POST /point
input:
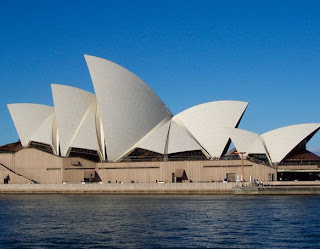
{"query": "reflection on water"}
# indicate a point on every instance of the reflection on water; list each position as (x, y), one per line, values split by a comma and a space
(100, 221)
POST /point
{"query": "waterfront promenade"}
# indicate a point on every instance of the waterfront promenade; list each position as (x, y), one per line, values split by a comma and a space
(271, 188)
(122, 188)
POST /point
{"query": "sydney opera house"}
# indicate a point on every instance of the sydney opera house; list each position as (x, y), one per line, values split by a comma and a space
(125, 133)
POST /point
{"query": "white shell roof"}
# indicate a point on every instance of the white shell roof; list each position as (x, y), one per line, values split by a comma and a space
(100, 134)
(280, 142)
(207, 123)
(157, 140)
(247, 141)
(76, 120)
(55, 137)
(126, 114)
(179, 140)
(129, 108)
(33, 122)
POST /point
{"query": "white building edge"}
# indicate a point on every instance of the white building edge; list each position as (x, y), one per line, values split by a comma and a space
(125, 114)
(280, 142)
(275, 144)
(34, 123)
(76, 118)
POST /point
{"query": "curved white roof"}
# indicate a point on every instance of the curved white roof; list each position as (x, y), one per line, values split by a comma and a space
(100, 134)
(126, 114)
(76, 118)
(55, 137)
(156, 140)
(33, 122)
(280, 142)
(180, 141)
(247, 141)
(129, 108)
(207, 123)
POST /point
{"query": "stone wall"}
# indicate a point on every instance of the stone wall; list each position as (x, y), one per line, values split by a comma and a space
(46, 168)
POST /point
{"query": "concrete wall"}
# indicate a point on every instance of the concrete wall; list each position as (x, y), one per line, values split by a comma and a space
(14, 178)
(50, 169)
(74, 170)
(7, 159)
(126, 188)
(37, 165)
(195, 170)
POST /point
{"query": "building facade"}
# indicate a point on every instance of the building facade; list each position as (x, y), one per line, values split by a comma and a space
(125, 133)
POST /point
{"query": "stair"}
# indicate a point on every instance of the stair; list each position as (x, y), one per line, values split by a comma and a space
(18, 173)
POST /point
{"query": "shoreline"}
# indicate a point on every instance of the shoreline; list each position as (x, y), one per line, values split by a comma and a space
(118, 188)
(229, 188)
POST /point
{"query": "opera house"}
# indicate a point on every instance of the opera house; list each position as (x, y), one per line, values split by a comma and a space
(125, 133)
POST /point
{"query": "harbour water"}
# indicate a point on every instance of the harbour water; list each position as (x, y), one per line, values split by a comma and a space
(126, 221)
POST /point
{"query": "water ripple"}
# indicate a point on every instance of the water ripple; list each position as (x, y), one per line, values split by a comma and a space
(102, 221)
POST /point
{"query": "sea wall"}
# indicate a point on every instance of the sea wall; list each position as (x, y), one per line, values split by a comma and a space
(278, 190)
(297, 188)
(121, 188)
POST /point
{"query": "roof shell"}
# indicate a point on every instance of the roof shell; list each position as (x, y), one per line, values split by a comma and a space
(207, 122)
(157, 140)
(129, 108)
(33, 122)
(247, 141)
(179, 140)
(75, 114)
(280, 142)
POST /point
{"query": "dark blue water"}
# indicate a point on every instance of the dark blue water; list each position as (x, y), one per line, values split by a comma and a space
(102, 221)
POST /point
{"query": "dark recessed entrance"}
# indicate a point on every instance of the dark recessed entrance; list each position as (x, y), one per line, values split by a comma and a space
(180, 175)
(91, 176)
(6, 179)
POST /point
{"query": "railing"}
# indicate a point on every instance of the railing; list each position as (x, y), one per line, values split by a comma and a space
(299, 163)
(142, 159)
(187, 158)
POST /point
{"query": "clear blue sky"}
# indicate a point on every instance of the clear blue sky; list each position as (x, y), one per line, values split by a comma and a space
(189, 52)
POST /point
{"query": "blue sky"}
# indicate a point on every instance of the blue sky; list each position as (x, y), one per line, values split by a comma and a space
(189, 52)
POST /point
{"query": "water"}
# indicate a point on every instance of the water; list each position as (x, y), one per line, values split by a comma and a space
(104, 221)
